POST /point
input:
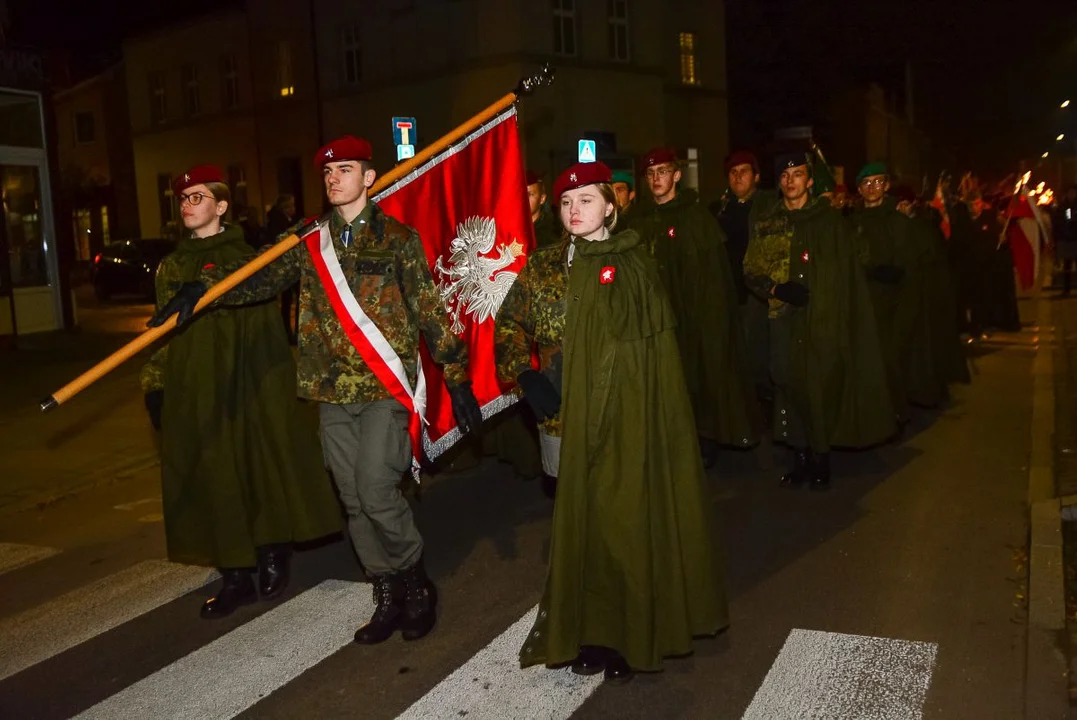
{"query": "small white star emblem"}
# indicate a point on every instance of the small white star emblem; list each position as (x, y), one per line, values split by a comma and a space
(607, 275)
(187, 177)
(572, 177)
(329, 153)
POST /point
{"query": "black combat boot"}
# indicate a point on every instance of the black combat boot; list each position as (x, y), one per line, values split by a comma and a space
(549, 486)
(819, 470)
(617, 670)
(388, 611)
(798, 474)
(420, 603)
(237, 589)
(590, 661)
(274, 562)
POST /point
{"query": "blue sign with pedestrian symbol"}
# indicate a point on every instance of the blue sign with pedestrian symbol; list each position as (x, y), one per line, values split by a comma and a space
(587, 151)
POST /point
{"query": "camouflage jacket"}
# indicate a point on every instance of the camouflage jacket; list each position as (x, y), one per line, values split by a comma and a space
(388, 273)
(766, 261)
(533, 312)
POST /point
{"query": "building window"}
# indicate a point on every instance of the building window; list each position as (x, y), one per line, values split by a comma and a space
(165, 198)
(81, 221)
(564, 27)
(84, 128)
(618, 28)
(229, 82)
(285, 78)
(688, 58)
(158, 109)
(192, 101)
(353, 56)
(106, 238)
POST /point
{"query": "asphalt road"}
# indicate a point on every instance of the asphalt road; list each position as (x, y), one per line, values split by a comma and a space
(897, 594)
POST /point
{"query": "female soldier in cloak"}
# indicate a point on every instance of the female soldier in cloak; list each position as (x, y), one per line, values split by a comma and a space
(632, 575)
(241, 474)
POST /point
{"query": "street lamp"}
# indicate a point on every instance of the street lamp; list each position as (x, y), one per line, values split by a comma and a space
(1065, 104)
(1061, 137)
(1045, 155)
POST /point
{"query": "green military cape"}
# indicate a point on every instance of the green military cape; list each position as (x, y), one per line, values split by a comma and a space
(885, 236)
(240, 461)
(631, 559)
(836, 367)
(694, 269)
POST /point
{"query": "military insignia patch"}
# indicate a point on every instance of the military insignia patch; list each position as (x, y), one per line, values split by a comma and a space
(804, 256)
(672, 232)
(607, 275)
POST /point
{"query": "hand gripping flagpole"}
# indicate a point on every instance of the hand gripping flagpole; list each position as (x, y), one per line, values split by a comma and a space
(525, 87)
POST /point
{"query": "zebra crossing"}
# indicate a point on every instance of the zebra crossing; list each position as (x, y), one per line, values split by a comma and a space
(815, 675)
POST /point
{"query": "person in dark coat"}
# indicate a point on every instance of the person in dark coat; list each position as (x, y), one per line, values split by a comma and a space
(278, 220)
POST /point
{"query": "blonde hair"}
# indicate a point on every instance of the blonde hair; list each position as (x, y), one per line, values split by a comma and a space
(605, 189)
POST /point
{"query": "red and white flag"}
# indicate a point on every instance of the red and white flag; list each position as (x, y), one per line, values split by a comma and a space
(469, 206)
(1023, 230)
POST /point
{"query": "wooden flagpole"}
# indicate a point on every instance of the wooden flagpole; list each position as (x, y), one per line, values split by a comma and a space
(98, 371)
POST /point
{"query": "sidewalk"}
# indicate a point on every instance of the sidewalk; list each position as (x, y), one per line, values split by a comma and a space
(100, 436)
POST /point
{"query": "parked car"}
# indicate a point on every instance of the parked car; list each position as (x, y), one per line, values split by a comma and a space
(127, 267)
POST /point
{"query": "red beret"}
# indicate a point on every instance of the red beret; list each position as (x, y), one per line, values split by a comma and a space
(533, 178)
(742, 157)
(198, 175)
(659, 156)
(345, 147)
(579, 175)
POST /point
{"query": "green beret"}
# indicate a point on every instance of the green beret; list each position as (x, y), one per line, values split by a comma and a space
(625, 177)
(872, 168)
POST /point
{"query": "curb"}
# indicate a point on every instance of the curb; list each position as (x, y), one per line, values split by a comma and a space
(1046, 669)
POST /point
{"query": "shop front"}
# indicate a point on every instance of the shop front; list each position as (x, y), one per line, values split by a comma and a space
(30, 288)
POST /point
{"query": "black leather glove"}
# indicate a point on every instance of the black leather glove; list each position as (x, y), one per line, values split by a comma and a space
(540, 394)
(792, 293)
(182, 302)
(465, 408)
(886, 274)
(155, 403)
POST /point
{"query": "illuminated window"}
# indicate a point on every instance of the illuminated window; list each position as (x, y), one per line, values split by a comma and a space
(229, 82)
(82, 234)
(564, 27)
(353, 56)
(106, 238)
(285, 78)
(688, 58)
(158, 108)
(165, 198)
(192, 100)
(618, 29)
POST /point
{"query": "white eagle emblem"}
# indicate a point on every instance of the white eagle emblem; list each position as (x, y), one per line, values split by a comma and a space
(470, 282)
(329, 153)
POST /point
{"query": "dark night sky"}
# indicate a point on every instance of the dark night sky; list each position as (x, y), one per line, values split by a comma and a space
(988, 74)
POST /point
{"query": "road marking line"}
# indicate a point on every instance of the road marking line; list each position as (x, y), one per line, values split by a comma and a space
(59, 625)
(492, 685)
(14, 556)
(136, 503)
(229, 675)
(831, 675)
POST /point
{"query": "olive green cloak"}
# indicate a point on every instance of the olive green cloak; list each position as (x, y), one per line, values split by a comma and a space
(240, 461)
(689, 248)
(887, 237)
(631, 560)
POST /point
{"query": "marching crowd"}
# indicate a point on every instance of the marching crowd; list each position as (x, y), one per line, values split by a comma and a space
(663, 329)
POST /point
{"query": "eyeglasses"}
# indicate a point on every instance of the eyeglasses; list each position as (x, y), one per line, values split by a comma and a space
(877, 182)
(660, 172)
(194, 198)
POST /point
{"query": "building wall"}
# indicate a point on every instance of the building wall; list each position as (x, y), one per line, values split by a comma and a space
(440, 61)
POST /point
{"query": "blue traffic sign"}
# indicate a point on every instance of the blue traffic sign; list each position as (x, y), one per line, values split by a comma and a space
(403, 152)
(587, 151)
(405, 131)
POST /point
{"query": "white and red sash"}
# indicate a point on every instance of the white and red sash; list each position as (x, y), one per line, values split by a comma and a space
(367, 338)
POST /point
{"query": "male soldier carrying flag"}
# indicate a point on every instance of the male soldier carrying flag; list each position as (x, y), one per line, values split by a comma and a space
(366, 292)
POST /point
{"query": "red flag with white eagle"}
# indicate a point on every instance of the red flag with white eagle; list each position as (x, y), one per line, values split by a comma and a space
(1023, 230)
(469, 206)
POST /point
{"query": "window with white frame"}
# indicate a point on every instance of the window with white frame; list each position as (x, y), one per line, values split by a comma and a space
(192, 100)
(564, 27)
(618, 29)
(352, 53)
(229, 82)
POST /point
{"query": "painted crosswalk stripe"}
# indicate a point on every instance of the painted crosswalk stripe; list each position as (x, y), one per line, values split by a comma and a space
(491, 685)
(14, 556)
(830, 675)
(58, 625)
(224, 678)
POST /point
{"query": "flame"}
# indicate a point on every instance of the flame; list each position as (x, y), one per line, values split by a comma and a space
(1046, 198)
(1022, 182)
(1039, 188)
